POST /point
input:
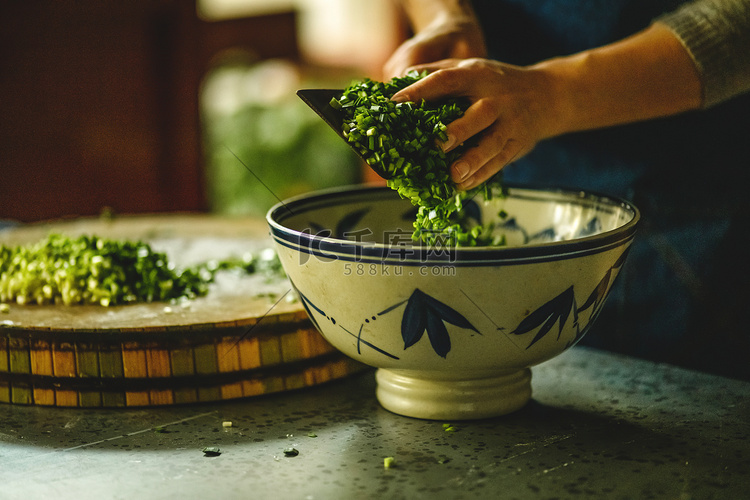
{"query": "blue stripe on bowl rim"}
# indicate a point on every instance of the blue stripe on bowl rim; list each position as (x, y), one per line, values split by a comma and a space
(375, 253)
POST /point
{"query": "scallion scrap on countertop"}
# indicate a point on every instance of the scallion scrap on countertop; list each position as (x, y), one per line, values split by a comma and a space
(401, 140)
(211, 451)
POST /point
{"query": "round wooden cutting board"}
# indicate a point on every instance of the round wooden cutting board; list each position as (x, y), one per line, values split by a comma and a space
(248, 336)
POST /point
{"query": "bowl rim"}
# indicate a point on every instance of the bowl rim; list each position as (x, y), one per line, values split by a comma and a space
(368, 252)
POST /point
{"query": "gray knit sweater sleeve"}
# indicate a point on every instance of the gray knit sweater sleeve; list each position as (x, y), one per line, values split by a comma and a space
(716, 33)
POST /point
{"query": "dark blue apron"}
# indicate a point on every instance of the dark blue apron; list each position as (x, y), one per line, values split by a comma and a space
(684, 295)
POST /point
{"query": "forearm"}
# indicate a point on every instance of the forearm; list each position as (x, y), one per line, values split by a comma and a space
(695, 57)
(716, 33)
(423, 13)
(443, 29)
(645, 76)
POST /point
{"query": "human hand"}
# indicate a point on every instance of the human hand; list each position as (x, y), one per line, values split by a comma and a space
(453, 38)
(510, 110)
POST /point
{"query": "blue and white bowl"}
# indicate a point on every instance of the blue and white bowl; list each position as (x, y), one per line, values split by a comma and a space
(452, 331)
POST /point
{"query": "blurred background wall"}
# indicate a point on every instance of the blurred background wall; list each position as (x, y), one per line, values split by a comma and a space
(176, 105)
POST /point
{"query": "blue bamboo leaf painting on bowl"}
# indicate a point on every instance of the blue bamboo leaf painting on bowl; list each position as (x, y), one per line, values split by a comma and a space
(427, 314)
(423, 313)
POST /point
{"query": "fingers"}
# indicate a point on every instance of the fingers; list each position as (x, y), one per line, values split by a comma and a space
(487, 151)
(436, 85)
(500, 127)
(485, 168)
(478, 118)
(481, 120)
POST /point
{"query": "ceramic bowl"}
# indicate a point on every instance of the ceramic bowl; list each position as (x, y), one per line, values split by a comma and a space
(452, 331)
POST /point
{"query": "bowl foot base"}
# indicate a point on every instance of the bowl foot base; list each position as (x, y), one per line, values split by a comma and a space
(410, 395)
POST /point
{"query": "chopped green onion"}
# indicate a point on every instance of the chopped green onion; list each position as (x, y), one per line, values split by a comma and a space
(211, 451)
(92, 270)
(401, 140)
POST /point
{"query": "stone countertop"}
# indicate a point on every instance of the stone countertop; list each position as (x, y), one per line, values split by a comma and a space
(599, 426)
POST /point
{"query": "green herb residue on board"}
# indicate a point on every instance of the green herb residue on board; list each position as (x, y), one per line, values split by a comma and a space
(92, 270)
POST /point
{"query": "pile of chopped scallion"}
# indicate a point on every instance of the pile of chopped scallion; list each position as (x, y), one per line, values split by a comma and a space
(401, 140)
(92, 270)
